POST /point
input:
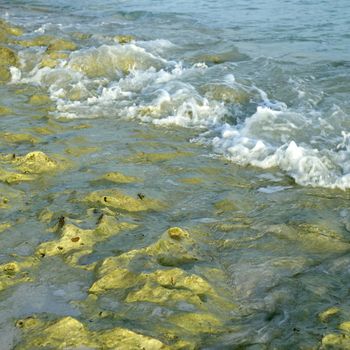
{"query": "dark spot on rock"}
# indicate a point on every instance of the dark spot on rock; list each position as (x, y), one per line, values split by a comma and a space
(141, 195)
(61, 221)
(13, 156)
(105, 199)
(296, 330)
(42, 255)
(75, 239)
(100, 219)
(60, 248)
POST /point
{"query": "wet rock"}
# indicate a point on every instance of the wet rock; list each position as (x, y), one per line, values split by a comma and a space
(39, 100)
(16, 272)
(4, 110)
(198, 323)
(8, 57)
(118, 200)
(13, 177)
(226, 93)
(124, 39)
(7, 29)
(4, 226)
(143, 157)
(61, 45)
(329, 313)
(42, 40)
(119, 178)
(5, 74)
(75, 242)
(19, 138)
(70, 333)
(35, 163)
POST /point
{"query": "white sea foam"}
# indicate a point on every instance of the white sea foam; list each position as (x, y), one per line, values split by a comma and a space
(133, 81)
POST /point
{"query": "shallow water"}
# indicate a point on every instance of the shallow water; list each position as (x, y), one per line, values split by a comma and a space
(229, 121)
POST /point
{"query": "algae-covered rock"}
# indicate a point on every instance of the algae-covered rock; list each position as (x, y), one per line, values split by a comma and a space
(5, 74)
(119, 178)
(39, 100)
(329, 313)
(4, 226)
(226, 93)
(4, 110)
(118, 200)
(198, 322)
(77, 241)
(36, 162)
(70, 333)
(123, 39)
(143, 157)
(16, 272)
(335, 341)
(8, 29)
(19, 138)
(10, 177)
(225, 205)
(8, 57)
(41, 40)
(61, 45)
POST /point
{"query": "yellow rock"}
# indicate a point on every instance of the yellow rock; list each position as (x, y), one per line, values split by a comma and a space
(19, 138)
(8, 57)
(9, 29)
(4, 110)
(198, 322)
(15, 272)
(38, 100)
(4, 226)
(35, 163)
(225, 205)
(61, 45)
(118, 200)
(123, 39)
(228, 94)
(5, 74)
(48, 62)
(70, 333)
(42, 40)
(345, 326)
(78, 242)
(327, 314)
(119, 278)
(119, 178)
(177, 233)
(336, 341)
(79, 151)
(29, 322)
(13, 178)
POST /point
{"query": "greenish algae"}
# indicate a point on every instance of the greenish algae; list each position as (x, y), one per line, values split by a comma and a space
(228, 94)
(39, 100)
(7, 29)
(75, 242)
(15, 272)
(117, 177)
(8, 58)
(123, 39)
(5, 111)
(118, 200)
(36, 162)
(326, 315)
(10, 177)
(19, 138)
(4, 226)
(61, 45)
(143, 157)
(68, 332)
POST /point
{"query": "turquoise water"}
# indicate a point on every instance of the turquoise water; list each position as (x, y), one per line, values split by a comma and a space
(231, 120)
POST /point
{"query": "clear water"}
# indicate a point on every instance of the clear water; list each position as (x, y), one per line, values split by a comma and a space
(251, 98)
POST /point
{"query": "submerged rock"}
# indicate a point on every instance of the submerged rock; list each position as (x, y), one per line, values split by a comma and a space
(19, 138)
(118, 200)
(38, 100)
(119, 178)
(7, 29)
(68, 332)
(8, 57)
(123, 39)
(75, 242)
(61, 45)
(4, 110)
(16, 272)
(143, 157)
(329, 313)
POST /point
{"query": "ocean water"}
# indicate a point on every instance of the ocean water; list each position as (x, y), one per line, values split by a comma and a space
(234, 116)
